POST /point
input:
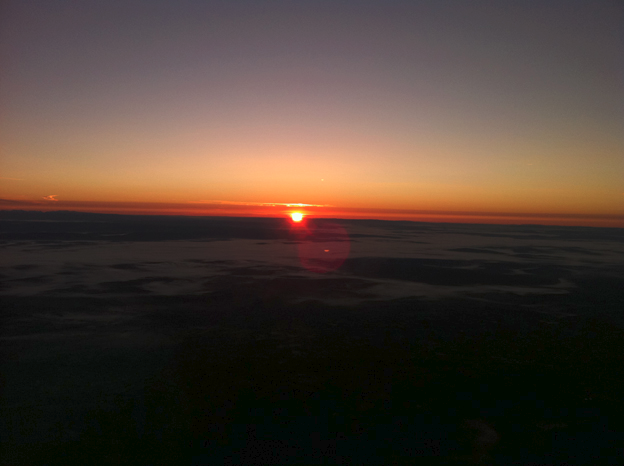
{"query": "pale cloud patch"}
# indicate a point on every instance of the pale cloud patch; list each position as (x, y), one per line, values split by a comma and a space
(51, 197)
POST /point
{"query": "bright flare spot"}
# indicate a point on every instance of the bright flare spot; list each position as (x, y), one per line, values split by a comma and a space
(297, 216)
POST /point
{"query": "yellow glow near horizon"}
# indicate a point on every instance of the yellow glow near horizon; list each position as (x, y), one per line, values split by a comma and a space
(297, 216)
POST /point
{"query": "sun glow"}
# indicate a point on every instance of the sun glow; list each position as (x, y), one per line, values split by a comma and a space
(297, 216)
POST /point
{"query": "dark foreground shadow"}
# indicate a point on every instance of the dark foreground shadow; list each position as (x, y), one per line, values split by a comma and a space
(312, 384)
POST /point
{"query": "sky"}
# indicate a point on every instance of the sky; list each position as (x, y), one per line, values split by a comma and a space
(511, 111)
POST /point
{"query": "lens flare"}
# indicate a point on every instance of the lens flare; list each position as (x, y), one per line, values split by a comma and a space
(324, 247)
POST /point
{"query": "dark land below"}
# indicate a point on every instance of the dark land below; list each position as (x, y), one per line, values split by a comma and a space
(264, 366)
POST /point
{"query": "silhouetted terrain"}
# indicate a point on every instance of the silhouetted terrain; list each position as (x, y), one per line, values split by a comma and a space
(179, 340)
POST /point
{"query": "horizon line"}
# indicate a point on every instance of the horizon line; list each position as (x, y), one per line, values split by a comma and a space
(269, 210)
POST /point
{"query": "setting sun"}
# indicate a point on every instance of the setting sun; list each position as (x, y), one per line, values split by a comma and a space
(297, 216)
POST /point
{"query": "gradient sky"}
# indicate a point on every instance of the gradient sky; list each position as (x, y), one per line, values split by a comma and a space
(374, 107)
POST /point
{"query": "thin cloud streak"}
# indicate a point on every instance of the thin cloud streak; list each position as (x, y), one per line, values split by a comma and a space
(261, 204)
(51, 197)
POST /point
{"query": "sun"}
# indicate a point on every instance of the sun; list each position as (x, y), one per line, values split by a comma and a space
(297, 216)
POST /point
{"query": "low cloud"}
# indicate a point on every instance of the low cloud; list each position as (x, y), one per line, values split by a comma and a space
(51, 197)
(17, 201)
(260, 204)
